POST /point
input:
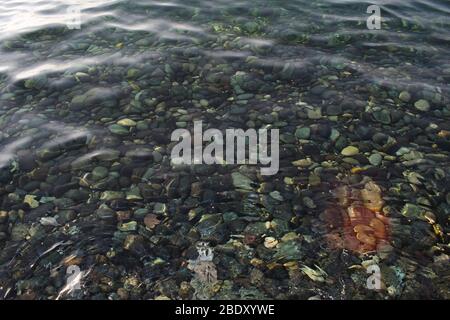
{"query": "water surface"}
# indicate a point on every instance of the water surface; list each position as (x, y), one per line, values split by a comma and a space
(86, 179)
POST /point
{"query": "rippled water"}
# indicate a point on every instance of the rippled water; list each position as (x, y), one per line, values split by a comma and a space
(310, 68)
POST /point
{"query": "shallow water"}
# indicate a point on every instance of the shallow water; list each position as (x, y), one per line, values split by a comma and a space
(86, 117)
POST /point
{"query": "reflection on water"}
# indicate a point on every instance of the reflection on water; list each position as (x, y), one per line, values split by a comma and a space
(85, 122)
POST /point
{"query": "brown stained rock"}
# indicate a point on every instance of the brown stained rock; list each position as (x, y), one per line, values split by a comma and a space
(151, 221)
(356, 223)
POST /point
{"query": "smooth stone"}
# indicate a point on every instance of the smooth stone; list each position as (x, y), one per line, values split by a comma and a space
(382, 116)
(350, 151)
(141, 125)
(126, 122)
(334, 134)
(99, 173)
(112, 195)
(303, 163)
(314, 114)
(303, 133)
(276, 195)
(140, 213)
(422, 105)
(132, 73)
(405, 96)
(118, 129)
(307, 201)
(105, 213)
(375, 159)
(241, 182)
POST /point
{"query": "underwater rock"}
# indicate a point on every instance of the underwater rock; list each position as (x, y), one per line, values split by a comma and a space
(356, 224)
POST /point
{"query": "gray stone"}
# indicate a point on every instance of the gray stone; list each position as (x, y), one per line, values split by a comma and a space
(375, 159)
(405, 96)
(241, 182)
(422, 105)
(314, 114)
(118, 129)
(382, 116)
(303, 133)
(99, 173)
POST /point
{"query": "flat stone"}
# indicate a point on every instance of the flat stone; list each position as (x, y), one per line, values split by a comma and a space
(126, 122)
(276, 195)
(241, 182)
(112, 195)
(118, 129)
(350, 151)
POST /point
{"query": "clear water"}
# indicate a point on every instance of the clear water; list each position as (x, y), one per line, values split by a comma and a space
(79, 192)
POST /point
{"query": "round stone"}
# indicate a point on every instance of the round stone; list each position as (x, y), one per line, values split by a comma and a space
(303, 133)
(405, 96)
(422, 105)
(375, 159)
(350, 151)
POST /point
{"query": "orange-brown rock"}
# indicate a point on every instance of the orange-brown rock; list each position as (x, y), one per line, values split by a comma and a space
(356, 223)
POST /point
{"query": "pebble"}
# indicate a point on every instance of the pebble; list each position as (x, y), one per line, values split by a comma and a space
(99, 173)
(350, 151)
(375, 159)
(411, 210)
(31, 201)
(276, 195)
(303, 133)
(126, 122)
(303, 163)
(314, 114)
(112, 195)
(160, 208)
(270, 242)
(382, 116)
(422, 105)
(118, 129)
(129, 226)
(405, 96)
(241, 182)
